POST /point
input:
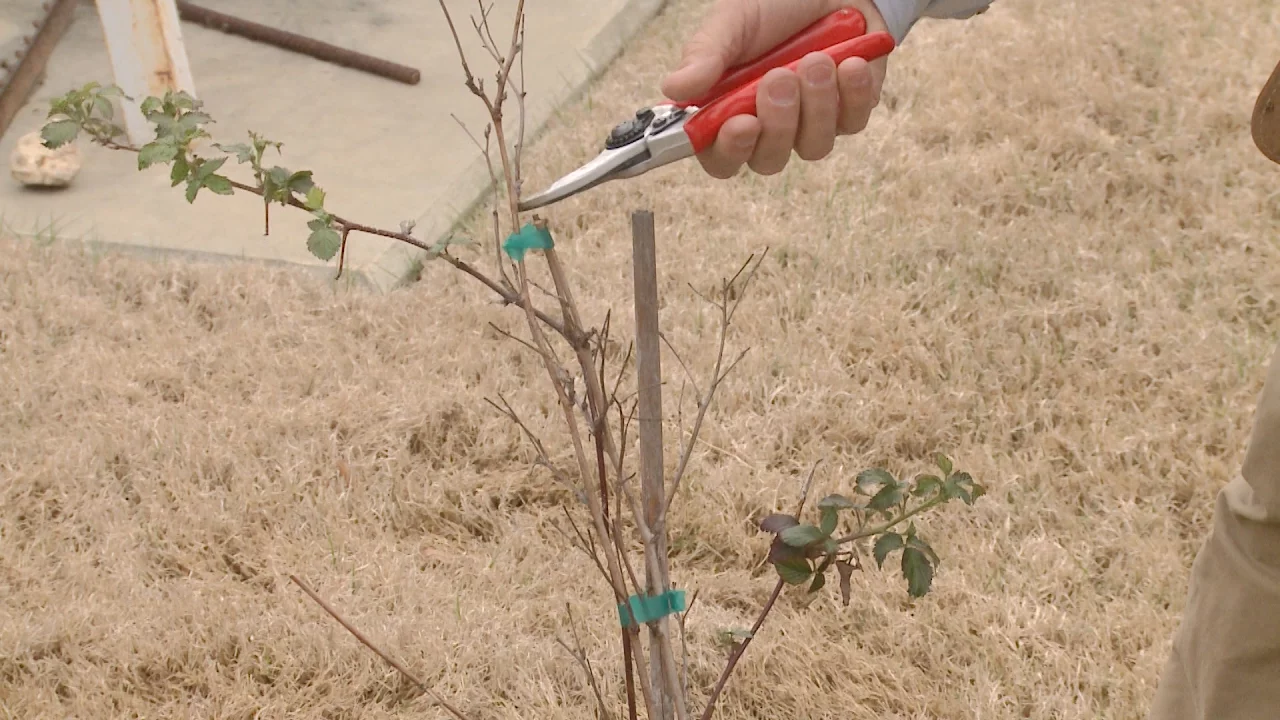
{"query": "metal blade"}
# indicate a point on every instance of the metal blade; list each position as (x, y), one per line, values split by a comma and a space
(603, 168)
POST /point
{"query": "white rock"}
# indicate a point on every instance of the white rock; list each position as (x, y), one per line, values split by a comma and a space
(33, 164)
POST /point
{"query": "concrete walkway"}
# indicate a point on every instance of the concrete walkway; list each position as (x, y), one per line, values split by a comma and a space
(383, 151)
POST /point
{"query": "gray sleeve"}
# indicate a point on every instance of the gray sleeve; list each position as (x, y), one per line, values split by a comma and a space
(901, 15)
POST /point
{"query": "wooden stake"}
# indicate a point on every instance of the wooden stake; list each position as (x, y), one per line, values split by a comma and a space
(649, 419)
(24, 78)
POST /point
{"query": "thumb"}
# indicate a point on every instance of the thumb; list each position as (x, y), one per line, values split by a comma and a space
(714, 47)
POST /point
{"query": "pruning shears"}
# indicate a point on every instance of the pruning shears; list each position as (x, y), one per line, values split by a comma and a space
(666, 133)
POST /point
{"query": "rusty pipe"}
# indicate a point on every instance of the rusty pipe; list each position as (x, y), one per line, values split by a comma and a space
(297, 43)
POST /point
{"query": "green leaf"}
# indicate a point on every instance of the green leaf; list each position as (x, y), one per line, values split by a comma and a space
(830, 516)
(944, 463)
(961, 485)
(315, 198)
(150, 106)
(243, 152)
(301, 182)
(888, 497)
(778, 522)
(917, 570)
(324, 241)
(193, 188)
(180, 170)
(927, 485)
(209, 167)
(839, 502)
(219, 184)
(794, 572)
(869, 480)
(886, 544)
(59, 133)
(103, 107)
(819, 580)
(802, 535)
(160, 151)
(736, 636)
(917, 542)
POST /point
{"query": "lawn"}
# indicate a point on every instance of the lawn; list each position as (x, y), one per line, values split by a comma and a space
(1051, 256)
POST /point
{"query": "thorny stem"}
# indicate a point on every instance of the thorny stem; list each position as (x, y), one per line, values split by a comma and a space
(455, 712)
(509, 297)
(741, 648)
(870, 532)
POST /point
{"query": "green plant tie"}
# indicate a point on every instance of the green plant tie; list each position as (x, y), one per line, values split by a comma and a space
(647, 608)
(530, 237)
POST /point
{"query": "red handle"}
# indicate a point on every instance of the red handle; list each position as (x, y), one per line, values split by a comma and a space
(837, 27)
(704, 126)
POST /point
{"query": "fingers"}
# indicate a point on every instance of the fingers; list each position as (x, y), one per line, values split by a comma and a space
(733, 147)
(859, 91)
(778, 109)
(819, 107)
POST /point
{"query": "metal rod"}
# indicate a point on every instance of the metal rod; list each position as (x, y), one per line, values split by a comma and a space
(298, 43)
(26, 67)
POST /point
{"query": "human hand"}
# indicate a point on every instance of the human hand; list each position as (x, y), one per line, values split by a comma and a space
(802, 111)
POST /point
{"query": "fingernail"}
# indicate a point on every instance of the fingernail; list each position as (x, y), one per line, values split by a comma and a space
(783, 92)
(818, 74)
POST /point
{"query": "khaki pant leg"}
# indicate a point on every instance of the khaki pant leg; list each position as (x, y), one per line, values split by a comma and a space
(1225, 663)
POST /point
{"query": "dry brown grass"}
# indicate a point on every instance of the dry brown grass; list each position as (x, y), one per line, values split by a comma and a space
(1052, 256)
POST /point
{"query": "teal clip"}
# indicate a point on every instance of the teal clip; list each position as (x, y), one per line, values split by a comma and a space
(530, 237)
(647, 608)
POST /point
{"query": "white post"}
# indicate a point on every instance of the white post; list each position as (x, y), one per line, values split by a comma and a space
(148, 57)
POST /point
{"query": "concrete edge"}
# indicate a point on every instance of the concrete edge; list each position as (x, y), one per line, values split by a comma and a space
(89, 241)
(395, 265)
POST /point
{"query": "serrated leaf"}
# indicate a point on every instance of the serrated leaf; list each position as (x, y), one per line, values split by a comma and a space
(160, 151)
(315, 198)
(846, 581)
(794, 572)
(819, 580)
(279, 176)
(837, 501)
(944, 463)
(886, 544)
(103, 107)
(801, 535)
(869, 480)
(324, 241)
(301, 181)
(243, 152)
(219, 184)
(917, 570)
(180, 170)
(888, 497)
(927, 485)
(209, 167)
(59, 133)
(150, 106)
(961, 485)
(830, 516)
(917, 542)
